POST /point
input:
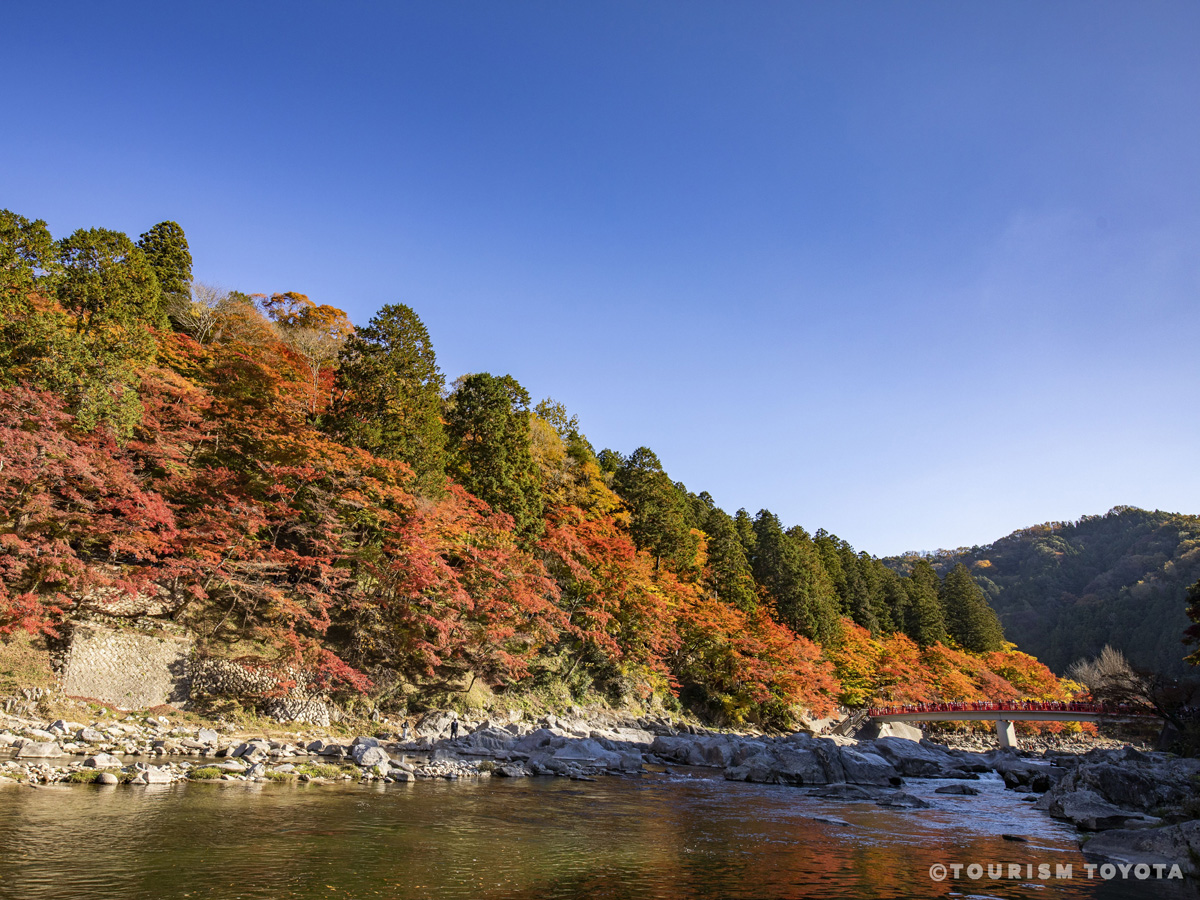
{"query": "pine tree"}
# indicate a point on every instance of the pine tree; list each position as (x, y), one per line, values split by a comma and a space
(858, 599)
(824, 607)
(969, 619)
(923, 619)
(729, 571)
(702, 506)
(28, 335)
(27, 255)
(108, 282)
(166, 249)
(111, 295)
(488, 442)
(660, 518)
(609, 461)
(745, 529)
(787, 565)
(388, 395)
(889, 598)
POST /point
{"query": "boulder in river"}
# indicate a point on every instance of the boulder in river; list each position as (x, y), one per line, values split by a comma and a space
(39, 750)
(901, 800)
(253, 751)
(864, 767)
(1169, 846)
(588, 753)
(898, 730)
(370, 756)
(745, 749)
(963, 789)
(913, 760)
(491, 739)
(809, 761)
(805, 767)
(103, 761)
(1142, 787)
(1089, 811)
(847, 792)
(1108, 790)
(435, 724)
(535, 740)
(153, 775)
(683, 749)
(1020, 774)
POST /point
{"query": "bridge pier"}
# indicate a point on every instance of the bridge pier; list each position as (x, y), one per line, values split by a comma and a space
(1006, 734)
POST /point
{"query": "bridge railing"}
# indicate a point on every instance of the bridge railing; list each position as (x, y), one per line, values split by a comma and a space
(1073, 706)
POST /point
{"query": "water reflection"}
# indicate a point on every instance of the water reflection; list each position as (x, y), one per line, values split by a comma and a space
(653, 837)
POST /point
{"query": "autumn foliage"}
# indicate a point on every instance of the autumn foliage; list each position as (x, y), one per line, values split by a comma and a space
(224, 492)
(893, 669)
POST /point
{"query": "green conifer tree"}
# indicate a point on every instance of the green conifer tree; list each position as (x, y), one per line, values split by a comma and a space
(166, 249)
(745, 529)
(388, 395)
(923, 619)
(858, 600)
(108, 282)
(609, 461)
(488, 441)
(788, 566)
(660, 517)
(27, 254)
(969, 619)
(729, 571)
(110, 293)
(889, 598)
(33, 339)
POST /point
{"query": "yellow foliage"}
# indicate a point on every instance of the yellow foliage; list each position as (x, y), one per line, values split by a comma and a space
(565, 480)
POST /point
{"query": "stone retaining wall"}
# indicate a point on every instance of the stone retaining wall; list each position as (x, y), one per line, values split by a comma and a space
(226, 678)
(136, 667)
(125, 667)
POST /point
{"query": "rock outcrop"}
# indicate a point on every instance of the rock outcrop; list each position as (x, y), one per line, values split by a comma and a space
(1166, 847)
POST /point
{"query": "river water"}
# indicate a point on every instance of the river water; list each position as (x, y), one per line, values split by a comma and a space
(683, 835)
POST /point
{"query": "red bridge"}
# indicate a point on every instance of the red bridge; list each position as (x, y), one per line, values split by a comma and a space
(1005, 713)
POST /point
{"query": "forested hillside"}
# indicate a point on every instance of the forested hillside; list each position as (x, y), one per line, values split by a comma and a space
(1065, 589)
(308, 496)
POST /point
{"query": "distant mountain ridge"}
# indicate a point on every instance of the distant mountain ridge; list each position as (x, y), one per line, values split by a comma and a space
(1063, 590)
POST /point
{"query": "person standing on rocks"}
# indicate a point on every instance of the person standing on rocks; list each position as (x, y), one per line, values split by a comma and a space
(454, 730)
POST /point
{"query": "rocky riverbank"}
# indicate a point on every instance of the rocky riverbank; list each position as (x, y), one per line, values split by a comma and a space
(1146, 804)
(153, 749)
(986, 741)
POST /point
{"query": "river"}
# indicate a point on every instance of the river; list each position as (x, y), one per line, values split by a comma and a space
(689, 834)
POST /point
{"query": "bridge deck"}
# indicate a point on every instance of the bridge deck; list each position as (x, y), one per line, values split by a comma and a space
(1004, 714)
(991, 715)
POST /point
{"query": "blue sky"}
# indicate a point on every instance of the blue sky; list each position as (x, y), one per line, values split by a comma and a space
(918, 273)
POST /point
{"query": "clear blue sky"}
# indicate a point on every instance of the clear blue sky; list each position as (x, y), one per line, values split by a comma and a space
(918, 273)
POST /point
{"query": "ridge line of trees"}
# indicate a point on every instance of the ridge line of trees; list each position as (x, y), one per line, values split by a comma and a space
(301, 491)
